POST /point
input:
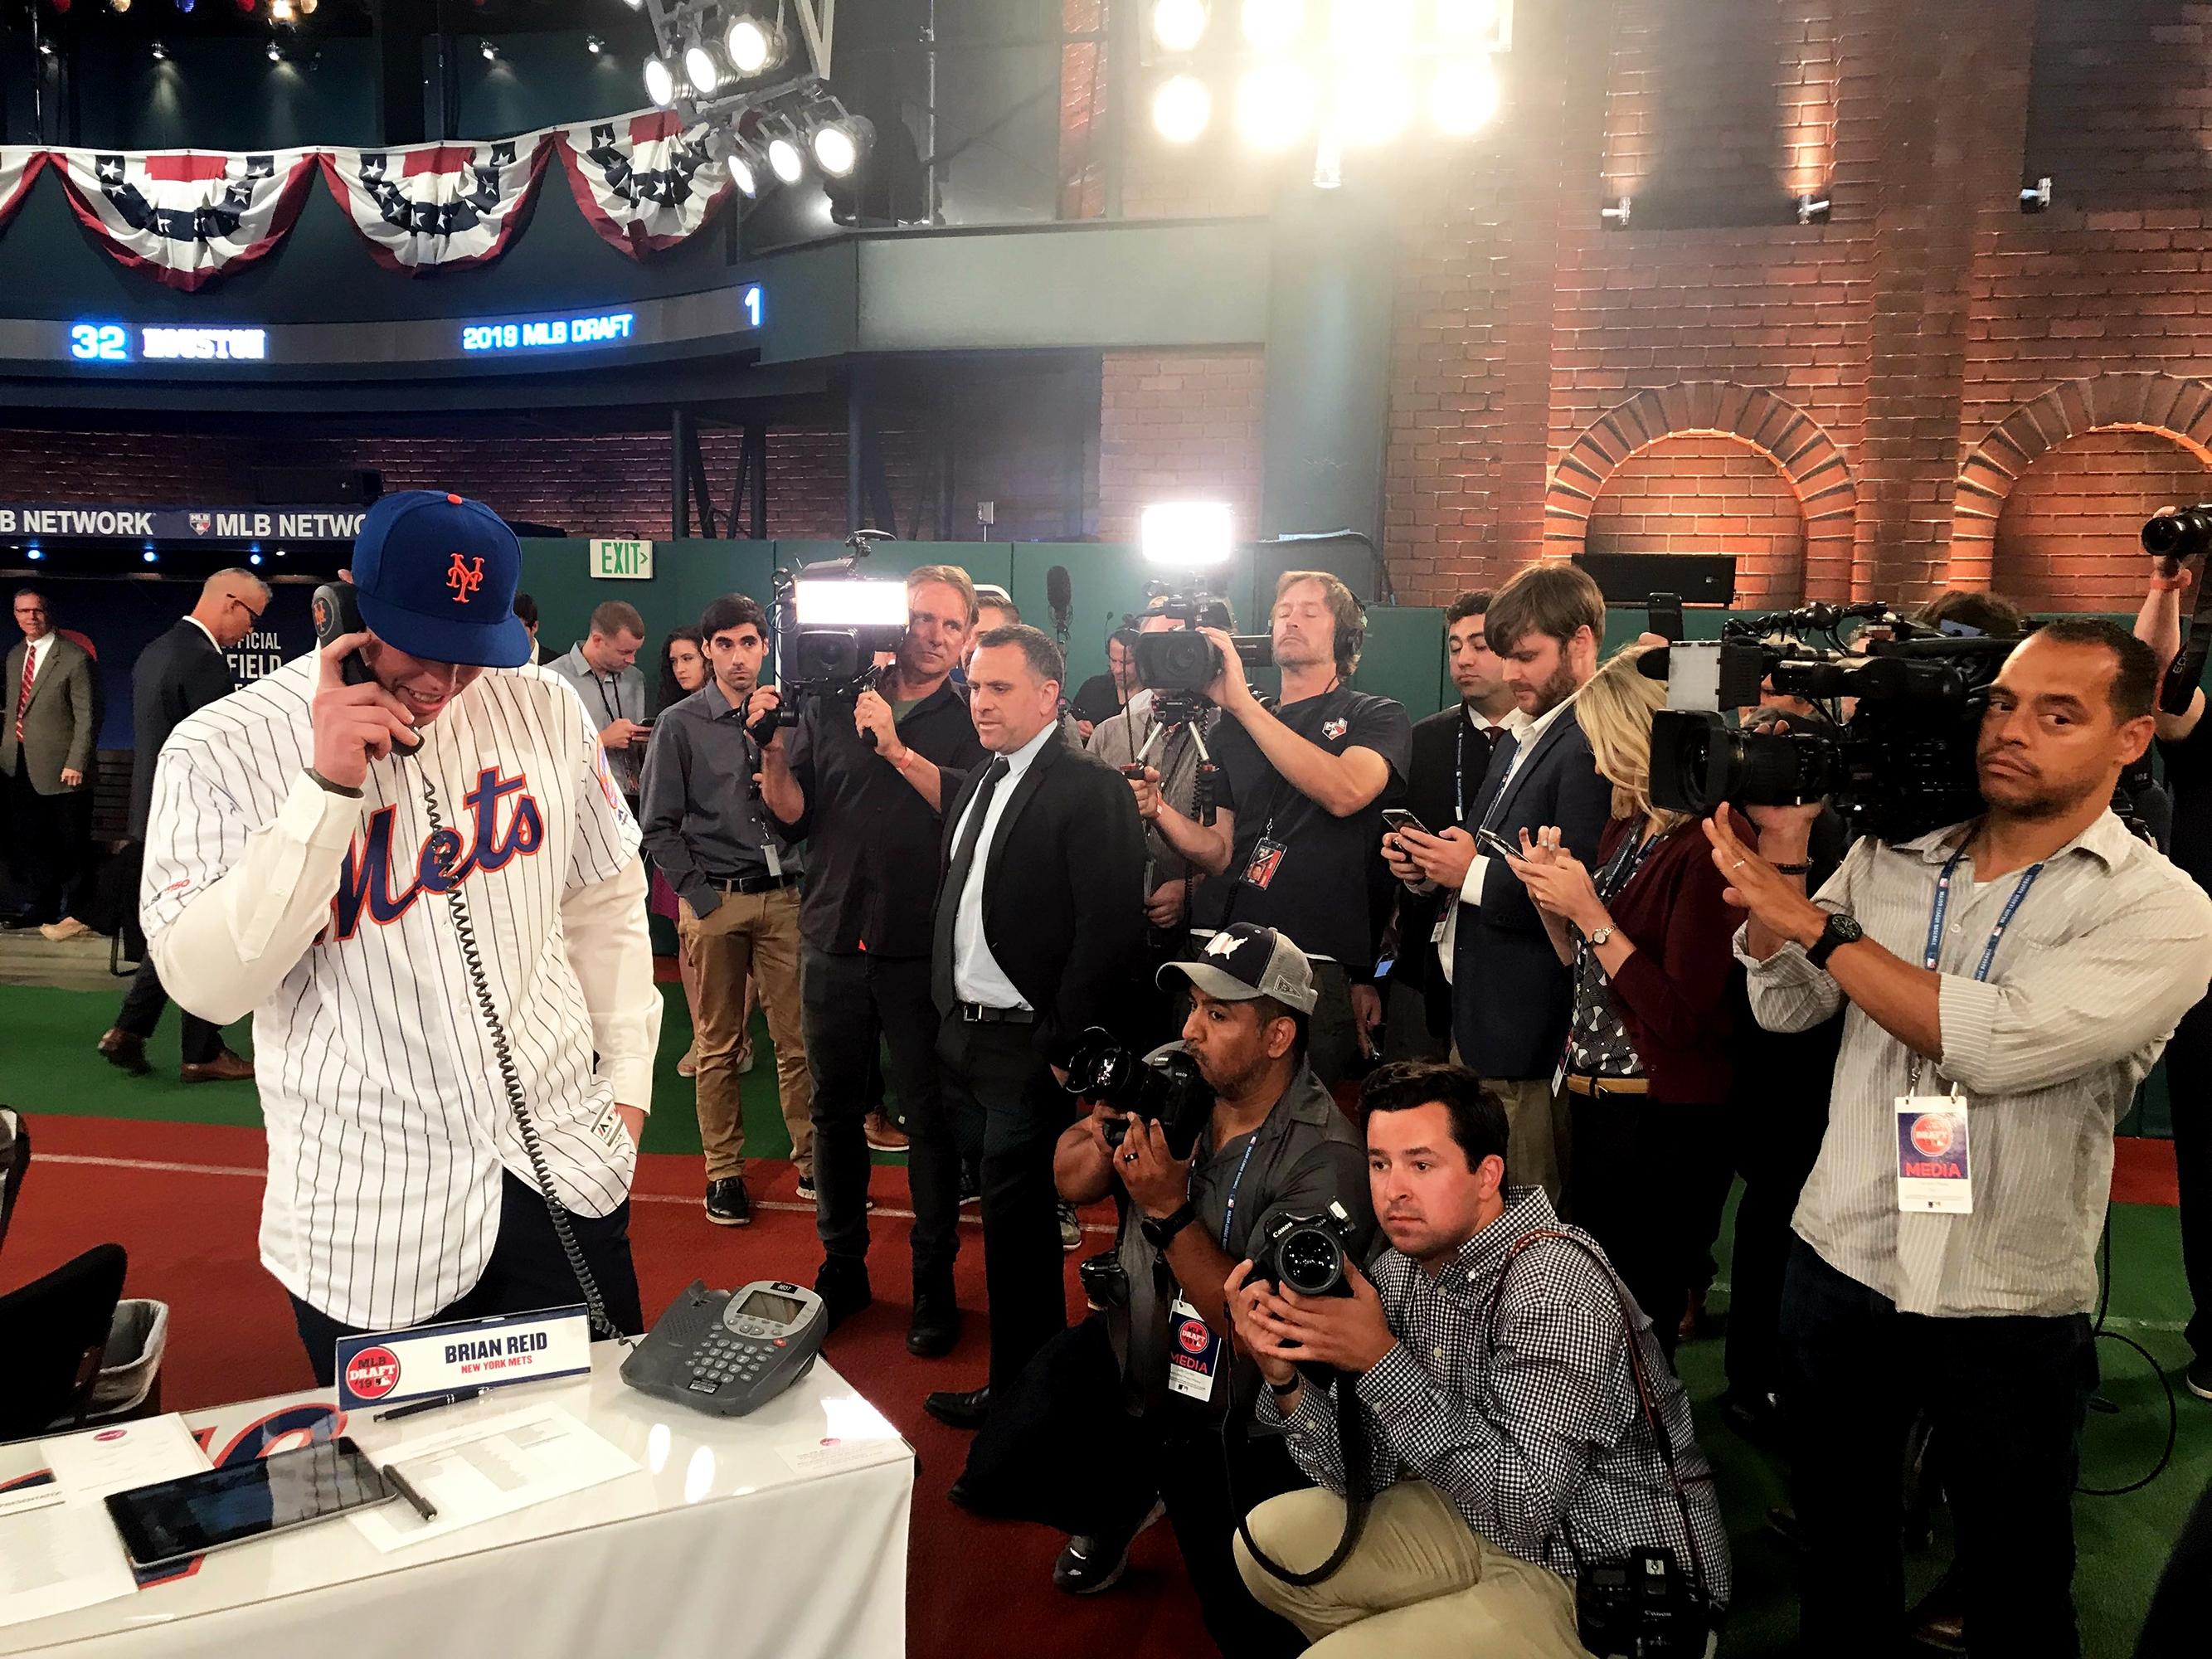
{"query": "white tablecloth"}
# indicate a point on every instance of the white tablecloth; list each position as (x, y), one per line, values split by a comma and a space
(779, 1535)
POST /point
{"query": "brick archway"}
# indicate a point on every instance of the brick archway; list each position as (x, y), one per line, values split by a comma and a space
(2168, 405)
(1798, 445)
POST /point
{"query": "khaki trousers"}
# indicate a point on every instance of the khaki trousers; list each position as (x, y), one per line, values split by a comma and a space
(1420, 1584)
(754, 933)
(1539, 1136)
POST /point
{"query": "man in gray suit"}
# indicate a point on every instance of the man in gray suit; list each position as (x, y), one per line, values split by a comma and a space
(180, 673)
(46, 732)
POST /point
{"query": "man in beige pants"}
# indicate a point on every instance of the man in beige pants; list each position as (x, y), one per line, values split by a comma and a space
(737, 878)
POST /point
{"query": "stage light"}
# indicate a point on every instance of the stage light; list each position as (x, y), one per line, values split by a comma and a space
(1186, 535)
(1812, 208)
(275, 53)
(743, 174)
(1178, 24)
(1463, 97)
(253, 558)
(1466, 21)
(45, 48)
(700, 67)
(660, 82)
(1275, 105)
(280, 11)
(1367, 27)
(150, 556)
(840, 144)
(1272, 25)
(784, 159)
(635, 5)
(755, 47)
(161, 52)
(487, 51)
(1616, 216)
(1373, 101)
(307, 8)
(1180, 108)
(2035, 198)
(593, 44)
(119, 7)
(35, 553)
(186, 6)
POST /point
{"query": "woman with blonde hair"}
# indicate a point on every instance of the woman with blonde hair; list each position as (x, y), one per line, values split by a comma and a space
(1647, 1057)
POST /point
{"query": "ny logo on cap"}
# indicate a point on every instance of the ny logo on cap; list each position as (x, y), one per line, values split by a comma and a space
(466, 577)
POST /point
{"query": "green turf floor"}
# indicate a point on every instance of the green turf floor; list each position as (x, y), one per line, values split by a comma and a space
(48, 1065)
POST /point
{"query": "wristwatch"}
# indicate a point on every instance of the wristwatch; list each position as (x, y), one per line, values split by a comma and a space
(1158, 1231)
(1841, 928)
(1600, 937)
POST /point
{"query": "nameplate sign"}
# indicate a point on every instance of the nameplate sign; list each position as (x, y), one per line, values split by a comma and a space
(391, 1367)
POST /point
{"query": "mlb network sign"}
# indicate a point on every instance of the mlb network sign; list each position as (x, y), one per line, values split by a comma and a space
(219, 524)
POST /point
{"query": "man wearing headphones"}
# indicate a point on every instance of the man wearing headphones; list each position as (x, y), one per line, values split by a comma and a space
(1293, 843)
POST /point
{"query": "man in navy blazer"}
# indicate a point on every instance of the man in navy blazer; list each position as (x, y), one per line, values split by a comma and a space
(1511, 999)
(179, 674)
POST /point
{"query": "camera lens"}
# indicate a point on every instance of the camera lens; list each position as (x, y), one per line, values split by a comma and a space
(2178, 535)
(1176, 660)
(1312, 1261)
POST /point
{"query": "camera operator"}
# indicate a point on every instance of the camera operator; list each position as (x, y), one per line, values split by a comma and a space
(1301, 793)
(1509, 1426)
(862, 785)
(2007, 981)
(2185, 746)
(1452, 752)
(1510, 998)
(1144, 1384)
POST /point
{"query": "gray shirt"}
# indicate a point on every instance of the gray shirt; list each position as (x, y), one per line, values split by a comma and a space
(607, 698)
(1119, 739)
(1305, 1155)
(700, 818)
(2109, 947)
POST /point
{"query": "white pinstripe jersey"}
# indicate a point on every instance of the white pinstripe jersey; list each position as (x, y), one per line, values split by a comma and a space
(388, 1122)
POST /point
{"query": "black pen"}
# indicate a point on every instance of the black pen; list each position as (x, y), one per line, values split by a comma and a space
(423, 1506)
(415, 1408)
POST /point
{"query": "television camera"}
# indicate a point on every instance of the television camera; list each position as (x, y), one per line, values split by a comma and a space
(827, 625)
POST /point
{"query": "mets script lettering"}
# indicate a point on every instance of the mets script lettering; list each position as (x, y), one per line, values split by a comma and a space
(366, 881)
(466, 577)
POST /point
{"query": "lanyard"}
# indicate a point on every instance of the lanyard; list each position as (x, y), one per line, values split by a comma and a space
(1275, 789)
(1229, 1216)
(1943, 908)
(1459, 774)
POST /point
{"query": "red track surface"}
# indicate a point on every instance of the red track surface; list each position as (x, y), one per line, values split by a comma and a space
(975, 1587)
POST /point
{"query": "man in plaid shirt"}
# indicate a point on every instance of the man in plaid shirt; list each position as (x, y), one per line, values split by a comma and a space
(1507, 1433)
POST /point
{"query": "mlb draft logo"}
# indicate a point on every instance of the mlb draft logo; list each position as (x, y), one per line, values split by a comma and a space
(201, 522)
(1192, 1337)
(373, 1373)
(1336, 728)
(1932, 1134)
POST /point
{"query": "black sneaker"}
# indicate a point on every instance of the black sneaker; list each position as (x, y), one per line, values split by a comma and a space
(971, 1184)
(841, 1282)
(1095, 1561)
(805, 1189)
(1071, 1229)
(728, 1203)
(2198, 1376)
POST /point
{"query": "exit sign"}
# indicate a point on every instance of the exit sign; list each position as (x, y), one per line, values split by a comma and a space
(622, 561)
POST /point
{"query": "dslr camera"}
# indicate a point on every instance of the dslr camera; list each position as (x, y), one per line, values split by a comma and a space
(1642, 1606)
(1164, 1086)
(1904, 764)
(1181, 661)
(826, 625)
(1305, 1253)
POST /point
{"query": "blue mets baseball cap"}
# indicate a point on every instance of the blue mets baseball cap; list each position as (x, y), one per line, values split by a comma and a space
(435, 575)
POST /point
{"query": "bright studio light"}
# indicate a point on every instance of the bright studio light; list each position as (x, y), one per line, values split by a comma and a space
(1180, 108)
(1186, 535)
(1178, 25)
(1374, 101)
(1464, 97)
(753, 45)
(784, 159)
(1372, 26)
(660, 82)
(700, 67)
(839, 146)
(742, 174)
(1466, 21)
(846, 602)
(1275, 105)
(1272, 25)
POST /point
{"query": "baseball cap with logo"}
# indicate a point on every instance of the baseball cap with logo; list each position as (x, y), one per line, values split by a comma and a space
(435, 576)
(1246, 961)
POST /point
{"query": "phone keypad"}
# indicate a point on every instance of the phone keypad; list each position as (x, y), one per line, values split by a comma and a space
(722, 1359)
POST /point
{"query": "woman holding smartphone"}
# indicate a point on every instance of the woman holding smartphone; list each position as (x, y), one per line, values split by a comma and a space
(1647, 1057)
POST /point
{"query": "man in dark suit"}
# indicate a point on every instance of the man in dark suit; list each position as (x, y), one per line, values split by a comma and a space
(1510, 998)
(1452, 752)
(181, 672)
(1038, 934)
(47, 728)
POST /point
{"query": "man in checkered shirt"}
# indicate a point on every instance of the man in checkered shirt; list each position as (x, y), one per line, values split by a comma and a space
(1506, 1432)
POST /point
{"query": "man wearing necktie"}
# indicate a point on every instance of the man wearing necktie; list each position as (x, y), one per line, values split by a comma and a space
(1037, 935)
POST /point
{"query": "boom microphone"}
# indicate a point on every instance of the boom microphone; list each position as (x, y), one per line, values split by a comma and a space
(1060, 597)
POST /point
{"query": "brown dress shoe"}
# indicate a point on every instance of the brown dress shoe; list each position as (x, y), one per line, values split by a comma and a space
(883, 1135)
(225, 1068)
(124, 1049)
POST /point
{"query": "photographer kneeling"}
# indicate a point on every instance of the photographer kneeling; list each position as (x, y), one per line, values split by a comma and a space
(1515, 1441)
(1128, 1409)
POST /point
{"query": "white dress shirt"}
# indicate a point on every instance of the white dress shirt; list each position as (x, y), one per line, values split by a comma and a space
(976, 976)
(206, 629)
(1523, 731)
(36, 651)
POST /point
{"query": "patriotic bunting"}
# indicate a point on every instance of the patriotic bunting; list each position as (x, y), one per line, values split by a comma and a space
(18, 168)
(644, 184)
(186, 216)
(439, 207)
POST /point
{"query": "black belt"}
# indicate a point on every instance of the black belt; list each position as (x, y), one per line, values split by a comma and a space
(750, 884)
(977, 1014)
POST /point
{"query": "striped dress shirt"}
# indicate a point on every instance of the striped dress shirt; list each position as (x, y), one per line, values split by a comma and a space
(2111, 946)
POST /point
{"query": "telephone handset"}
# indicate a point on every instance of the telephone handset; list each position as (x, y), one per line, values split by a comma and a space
(337, 613)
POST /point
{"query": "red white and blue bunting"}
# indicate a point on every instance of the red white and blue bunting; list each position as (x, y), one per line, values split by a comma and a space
(18, 168)
(429, 208)
(644, 182)
(186, 216)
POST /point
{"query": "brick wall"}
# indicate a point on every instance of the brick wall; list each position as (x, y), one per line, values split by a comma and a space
(1706, 494)
(1178, 425)
(2066, 536)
